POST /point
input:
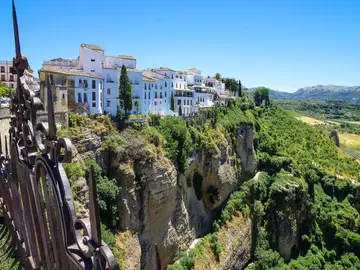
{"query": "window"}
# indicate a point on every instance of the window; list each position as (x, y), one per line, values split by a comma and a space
(184, 79)
(51, 79)
(92, 60)
(179, 102)
(93, 84)
(108, 103)
(80, 81)
(86, 83)
(152, 85)
(172, 76)
(145, 86)
(155, 86)
(93, 96)
(93, 70)
(165, 84)
(2, 69)
(79, 98)
(155, 103)
(160, 102)
(11, 85)
(184, 102)
(165, 94)
(180, 77)
(191, 102)
(85, 97)
(155, 94)
(188, 102)
(108, 91)
(177, 76)
(149, 95)
(3, 77)
(144, 95)
(165, 74)
(172, 84)
(94, 104)
(63, 96)
(11, 78)
(176, 85)
(160, 94)
(165, 100)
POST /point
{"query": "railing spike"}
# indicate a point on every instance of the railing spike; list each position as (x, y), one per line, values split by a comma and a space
(16, 31)
(6, 148)
(50, 109)
(94, 209)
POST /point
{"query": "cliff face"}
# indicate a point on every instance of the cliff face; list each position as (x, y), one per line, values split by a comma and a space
(168, 210)
(235, 239)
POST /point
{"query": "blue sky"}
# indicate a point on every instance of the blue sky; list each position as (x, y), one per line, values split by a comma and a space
(282, 44)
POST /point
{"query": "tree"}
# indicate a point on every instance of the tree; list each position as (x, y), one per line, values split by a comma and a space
(180, 111)
(218, 76)
(136, 103)
(335, 137)
(4, 90)
(172, 102)
(125, 97)
(239, 89)
(262, 94)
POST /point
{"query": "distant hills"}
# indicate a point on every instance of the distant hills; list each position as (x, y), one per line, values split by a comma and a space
(349, 94)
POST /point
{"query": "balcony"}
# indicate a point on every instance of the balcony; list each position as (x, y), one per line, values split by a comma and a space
(180, 95)
(109, 81)
(83, 85)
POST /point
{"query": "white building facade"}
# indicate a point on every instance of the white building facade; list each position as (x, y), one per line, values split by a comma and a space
(96, 78)
(6, 77)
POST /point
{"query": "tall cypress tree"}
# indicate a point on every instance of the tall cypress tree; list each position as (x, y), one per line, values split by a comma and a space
(125, 97)
(240, 88)
(172, 102)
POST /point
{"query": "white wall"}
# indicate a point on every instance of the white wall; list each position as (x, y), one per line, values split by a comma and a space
(91, 61)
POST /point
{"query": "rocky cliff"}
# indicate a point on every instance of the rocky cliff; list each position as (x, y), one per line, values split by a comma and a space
(168, 209)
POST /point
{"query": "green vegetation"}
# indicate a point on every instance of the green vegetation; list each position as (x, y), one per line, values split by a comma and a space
(178, 140)
(125, 96)
(4, 90)
(108, 191)
(261, 94)
(284, 136)
(337, 110)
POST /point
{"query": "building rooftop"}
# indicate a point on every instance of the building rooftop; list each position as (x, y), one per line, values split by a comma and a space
(128, 57)
(164, 69)
(148, 79)
(92, 47)
(68, 72)
(132, 70)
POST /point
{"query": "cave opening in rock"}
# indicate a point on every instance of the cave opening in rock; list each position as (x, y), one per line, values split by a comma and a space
(197, 184)
(213, 194)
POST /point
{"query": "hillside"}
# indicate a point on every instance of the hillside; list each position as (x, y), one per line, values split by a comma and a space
(302, 215)
(349, 94)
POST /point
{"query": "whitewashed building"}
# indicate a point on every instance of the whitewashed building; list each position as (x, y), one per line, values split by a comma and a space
(6, 77)
(96, 77)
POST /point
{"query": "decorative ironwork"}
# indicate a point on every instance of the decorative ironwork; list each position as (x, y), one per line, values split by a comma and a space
(40, 227)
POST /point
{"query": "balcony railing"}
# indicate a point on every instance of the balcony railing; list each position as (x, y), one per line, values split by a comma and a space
(179, 95)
